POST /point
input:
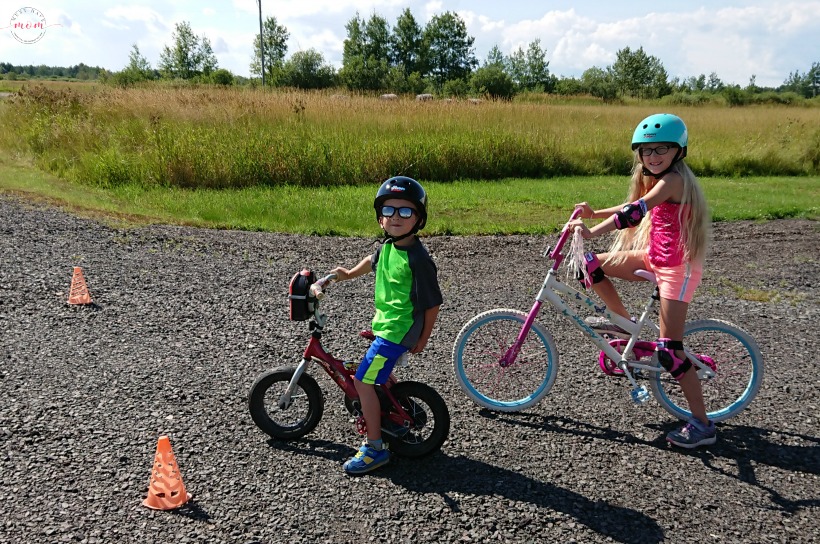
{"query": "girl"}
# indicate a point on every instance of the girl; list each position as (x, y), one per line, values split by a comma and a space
(671, 242)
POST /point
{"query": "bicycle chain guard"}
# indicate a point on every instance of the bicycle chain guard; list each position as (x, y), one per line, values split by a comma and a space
(609, 367)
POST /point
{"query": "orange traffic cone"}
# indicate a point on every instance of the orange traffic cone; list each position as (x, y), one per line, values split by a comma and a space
(165, 488)
(79, 291)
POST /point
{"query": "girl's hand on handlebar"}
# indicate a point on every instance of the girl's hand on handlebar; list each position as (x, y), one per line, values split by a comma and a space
(586, 210)
(578, 224)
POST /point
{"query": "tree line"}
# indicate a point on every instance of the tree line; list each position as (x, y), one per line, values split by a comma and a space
(437, 58)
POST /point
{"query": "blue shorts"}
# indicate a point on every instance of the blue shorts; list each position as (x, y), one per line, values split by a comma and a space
(379, 361)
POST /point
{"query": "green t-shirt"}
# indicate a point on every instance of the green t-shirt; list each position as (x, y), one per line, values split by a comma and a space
(406, 286)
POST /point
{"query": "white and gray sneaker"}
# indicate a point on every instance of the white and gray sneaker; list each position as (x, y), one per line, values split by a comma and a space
(602, 326)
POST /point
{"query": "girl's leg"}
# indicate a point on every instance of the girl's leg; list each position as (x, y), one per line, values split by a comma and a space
(673, 320)
(624, 270)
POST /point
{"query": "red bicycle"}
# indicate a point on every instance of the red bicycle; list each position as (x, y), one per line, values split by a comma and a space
(287, 402)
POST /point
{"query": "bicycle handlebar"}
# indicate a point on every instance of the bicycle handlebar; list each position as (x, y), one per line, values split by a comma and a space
(316, 288)
(555, 254)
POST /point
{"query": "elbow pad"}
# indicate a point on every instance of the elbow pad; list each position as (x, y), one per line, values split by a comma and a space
(630, 215)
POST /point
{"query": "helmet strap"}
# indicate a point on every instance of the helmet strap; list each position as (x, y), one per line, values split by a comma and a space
(394, 239)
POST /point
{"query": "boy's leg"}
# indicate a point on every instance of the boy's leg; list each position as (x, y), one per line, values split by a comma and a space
(371, 409)
(375, 368)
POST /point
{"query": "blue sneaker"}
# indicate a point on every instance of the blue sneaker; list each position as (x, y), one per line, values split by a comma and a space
(367, 459)
(693, 434)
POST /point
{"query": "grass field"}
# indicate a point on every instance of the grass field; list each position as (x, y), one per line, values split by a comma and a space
(311, 162)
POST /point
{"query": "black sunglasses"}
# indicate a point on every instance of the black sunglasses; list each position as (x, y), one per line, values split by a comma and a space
(404, 212)
(660, 150)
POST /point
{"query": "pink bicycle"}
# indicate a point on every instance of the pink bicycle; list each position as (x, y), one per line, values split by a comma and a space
(505, 360)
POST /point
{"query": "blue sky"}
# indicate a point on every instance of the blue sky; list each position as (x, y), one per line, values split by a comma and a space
(735, 39)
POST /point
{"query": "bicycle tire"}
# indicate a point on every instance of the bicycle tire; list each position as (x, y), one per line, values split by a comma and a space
(431, 420)
(477, 352)
(739, 371)
(295, 421)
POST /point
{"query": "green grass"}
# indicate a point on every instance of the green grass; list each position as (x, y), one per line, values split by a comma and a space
(533, 206)
(201, 137)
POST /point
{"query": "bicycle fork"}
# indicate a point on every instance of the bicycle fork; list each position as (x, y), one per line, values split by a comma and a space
(285, 398)
(512, 352)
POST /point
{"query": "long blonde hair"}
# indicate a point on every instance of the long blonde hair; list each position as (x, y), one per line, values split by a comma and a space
(696, 227)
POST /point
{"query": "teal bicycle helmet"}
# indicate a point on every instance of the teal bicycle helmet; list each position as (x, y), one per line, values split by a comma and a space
(661, 127)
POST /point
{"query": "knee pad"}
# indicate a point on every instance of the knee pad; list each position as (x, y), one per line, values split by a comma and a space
(669, 361)
(594, 270)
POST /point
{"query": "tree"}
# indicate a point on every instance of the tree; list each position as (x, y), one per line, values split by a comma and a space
(714, 84)
(638, 74)
(138, 69)
(516, 66)
(492, 81)
(275, 38)
(495, 57)
(138, 65)
(189, 57)
(600, 83)
(365, 56)
(537, 73)
(308, 70)
(450, 48)
(406, 44)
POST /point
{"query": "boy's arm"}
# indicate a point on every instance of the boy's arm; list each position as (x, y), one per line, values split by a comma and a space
(364, 267)
(430, 315)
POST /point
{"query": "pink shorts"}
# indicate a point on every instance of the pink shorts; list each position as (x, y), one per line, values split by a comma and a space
(676, 282)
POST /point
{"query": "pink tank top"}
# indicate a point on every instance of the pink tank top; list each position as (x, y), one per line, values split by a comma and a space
(665, 247)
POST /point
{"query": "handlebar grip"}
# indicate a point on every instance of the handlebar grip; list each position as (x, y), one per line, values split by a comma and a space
(316, 288)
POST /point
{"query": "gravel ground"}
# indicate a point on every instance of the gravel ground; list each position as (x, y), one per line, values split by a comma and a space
(184, 319)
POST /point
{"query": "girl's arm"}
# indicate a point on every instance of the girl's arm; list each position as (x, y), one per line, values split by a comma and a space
(670, 187)
(364, 267)
(588, 213)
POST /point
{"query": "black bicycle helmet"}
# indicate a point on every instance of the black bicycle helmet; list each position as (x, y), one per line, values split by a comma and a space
(406, 189)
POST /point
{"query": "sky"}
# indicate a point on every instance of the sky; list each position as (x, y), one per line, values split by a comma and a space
(735, 39)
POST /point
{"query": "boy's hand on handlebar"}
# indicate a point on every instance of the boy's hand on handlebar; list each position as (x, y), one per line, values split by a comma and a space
(586, 210)
(342, 274)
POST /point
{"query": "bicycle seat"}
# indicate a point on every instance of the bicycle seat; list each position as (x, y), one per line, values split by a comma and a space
(647, 275)
(367, 335)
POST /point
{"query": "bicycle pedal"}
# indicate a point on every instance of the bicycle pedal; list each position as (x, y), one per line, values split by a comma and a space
(640, 395)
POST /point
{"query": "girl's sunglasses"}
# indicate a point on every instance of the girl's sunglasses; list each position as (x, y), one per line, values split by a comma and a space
(404, 212)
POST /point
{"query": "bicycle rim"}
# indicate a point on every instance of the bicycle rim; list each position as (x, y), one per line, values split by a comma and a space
(479, 349)
(739, 371)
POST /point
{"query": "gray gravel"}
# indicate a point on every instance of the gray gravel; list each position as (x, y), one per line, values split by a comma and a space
(184, 319)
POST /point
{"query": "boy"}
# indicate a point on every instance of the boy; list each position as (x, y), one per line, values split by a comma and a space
(407, 298)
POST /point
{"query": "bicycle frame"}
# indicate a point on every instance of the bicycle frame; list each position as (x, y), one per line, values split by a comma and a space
(335, 368)
(553, 290)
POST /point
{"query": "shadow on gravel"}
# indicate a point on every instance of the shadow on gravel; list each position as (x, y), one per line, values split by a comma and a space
(557, 424)
(445, 475)
(192, 511)
(746, 447)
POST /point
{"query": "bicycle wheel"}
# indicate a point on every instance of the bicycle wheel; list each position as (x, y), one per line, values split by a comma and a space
(430, 420)
(477, 359)
(738, 365)
(285, 422)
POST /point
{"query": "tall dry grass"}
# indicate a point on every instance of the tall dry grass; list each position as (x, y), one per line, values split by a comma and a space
(240, 137)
